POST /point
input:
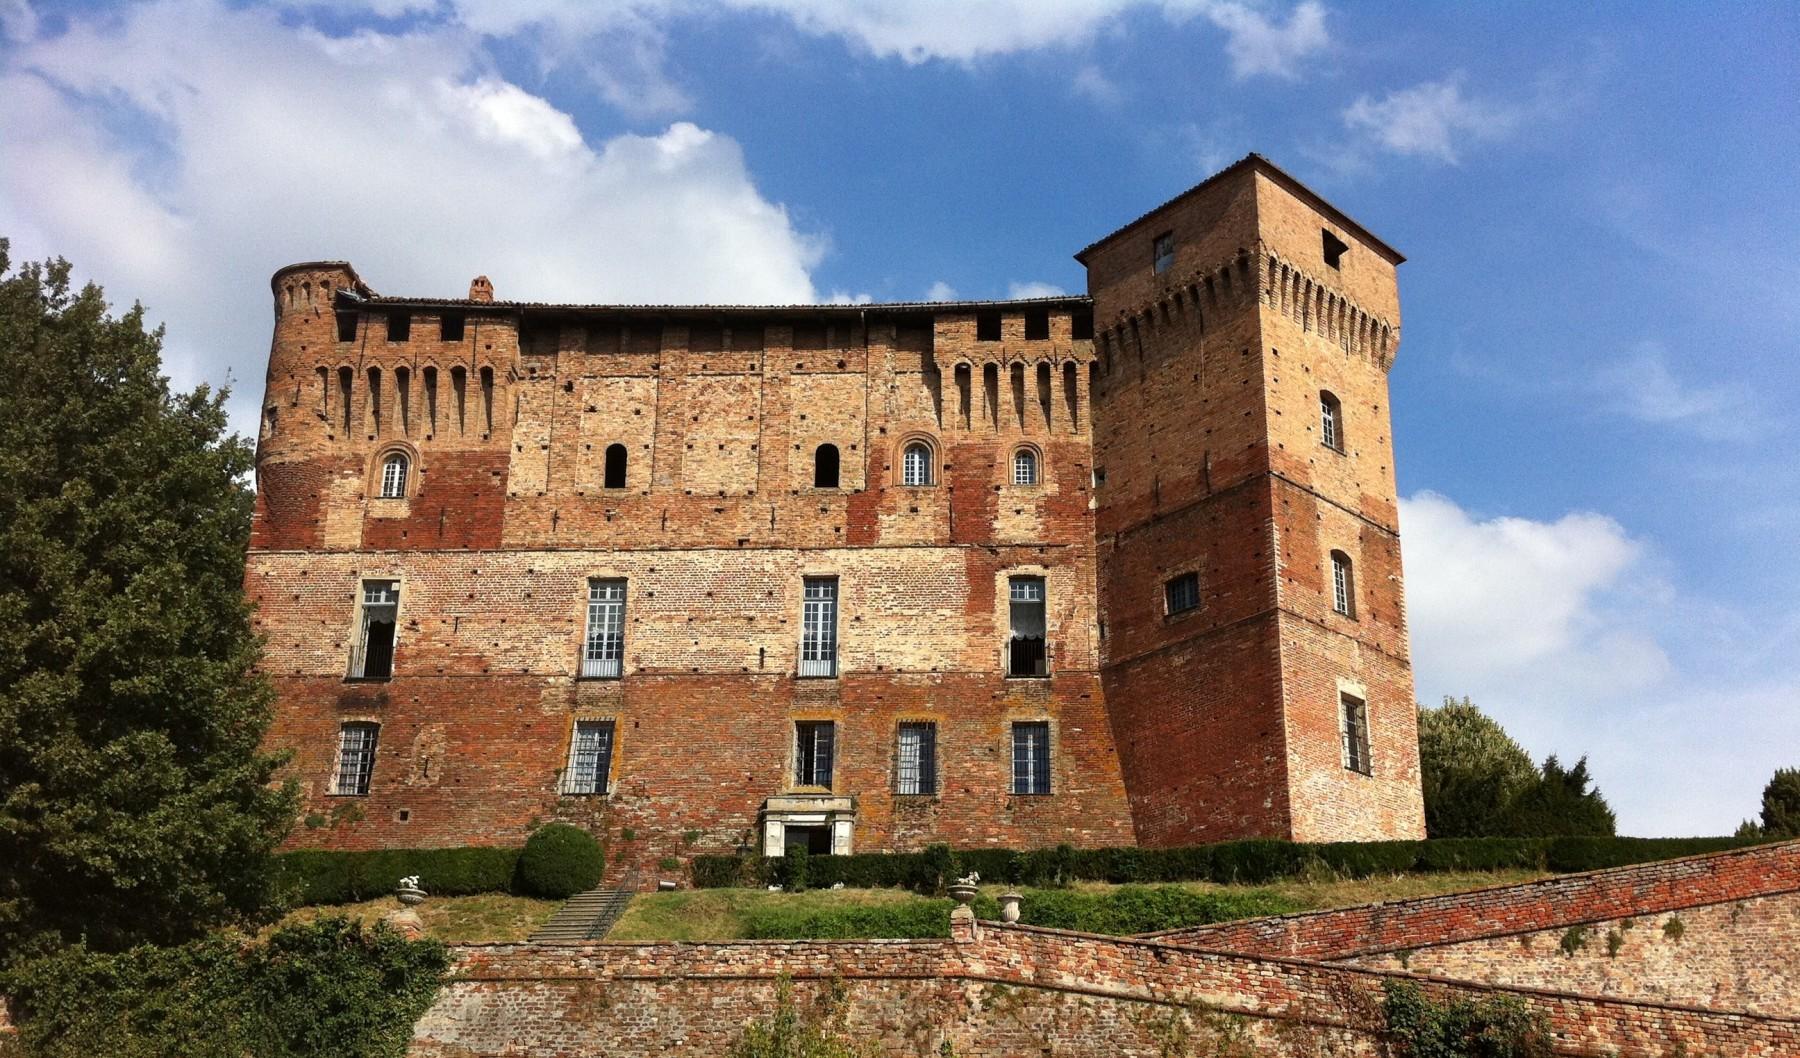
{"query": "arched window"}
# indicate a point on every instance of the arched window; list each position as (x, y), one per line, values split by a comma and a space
(393, 476)
(915, 467)
(1331, 421)
(615, 466)
(825, 467)
(1343, 584)
(1025, 467)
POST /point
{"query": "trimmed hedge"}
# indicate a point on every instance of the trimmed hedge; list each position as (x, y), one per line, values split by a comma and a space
(318, 876)
(559, 861)
(1240, 862)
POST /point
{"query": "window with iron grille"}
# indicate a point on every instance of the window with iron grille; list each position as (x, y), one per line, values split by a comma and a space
(1343, 594)
(1183, 593)
(915, 467)
(372, 657)
(1027, 651)
(813, 752)
(1025, 467)
(393, 477)
(1356, 733)
(1331, 421)
(1162, 252)
(603, 655)
(915, 770)
(356, 758)
(818, 627)
(590, 758)
(1031, 757)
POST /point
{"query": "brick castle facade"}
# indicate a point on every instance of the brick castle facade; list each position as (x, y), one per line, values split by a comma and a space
(1101, 570)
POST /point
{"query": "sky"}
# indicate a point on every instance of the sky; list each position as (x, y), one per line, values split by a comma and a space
(1600, 503)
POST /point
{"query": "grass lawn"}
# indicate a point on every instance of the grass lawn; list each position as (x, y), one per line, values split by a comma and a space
(451, 919)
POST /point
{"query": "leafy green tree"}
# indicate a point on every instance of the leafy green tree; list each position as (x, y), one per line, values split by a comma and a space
(1560, 803)
(1781, 805)
(135, 802)
(1479, 782)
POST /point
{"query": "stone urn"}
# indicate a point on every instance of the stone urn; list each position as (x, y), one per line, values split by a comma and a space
(409, 891)
(964, 890)
(1009, 906)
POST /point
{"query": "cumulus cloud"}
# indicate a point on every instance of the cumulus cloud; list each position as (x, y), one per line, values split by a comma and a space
(1642, 387)
(137, 146)
(1431, 119)
(1259, 44)
(941, 291)
(1034, 289)
(1092, 84)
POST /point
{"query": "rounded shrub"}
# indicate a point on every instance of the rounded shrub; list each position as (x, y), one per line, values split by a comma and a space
(559, 861)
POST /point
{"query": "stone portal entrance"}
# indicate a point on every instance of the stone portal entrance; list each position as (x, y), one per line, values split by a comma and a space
(820, 823)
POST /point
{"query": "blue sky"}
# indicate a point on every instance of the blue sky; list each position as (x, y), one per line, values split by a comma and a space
(1600, 304)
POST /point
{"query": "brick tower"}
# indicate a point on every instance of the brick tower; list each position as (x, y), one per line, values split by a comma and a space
(1254, 652)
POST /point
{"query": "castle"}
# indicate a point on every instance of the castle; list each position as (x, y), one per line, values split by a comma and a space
(1104, 570)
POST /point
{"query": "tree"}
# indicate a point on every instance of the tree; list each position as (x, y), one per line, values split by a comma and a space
(1781, 805)
(135, 802)
(1479, 782)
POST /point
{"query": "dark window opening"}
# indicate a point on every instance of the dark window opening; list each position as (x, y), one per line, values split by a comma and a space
(616, 458)
(1162, 252)
(1037, 325)
(399, 327)
(1031, 757)
(815, 840)
(373, 658)
(1334, 248)
(450, 327)
(813, 752)
(346, 322)
(825, 467)
(1183, 593)
(1027, 652)
(987, 327)
(1081, 325)
(915, 764)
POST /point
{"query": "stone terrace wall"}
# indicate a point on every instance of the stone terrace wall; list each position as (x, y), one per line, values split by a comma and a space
(1505, 911)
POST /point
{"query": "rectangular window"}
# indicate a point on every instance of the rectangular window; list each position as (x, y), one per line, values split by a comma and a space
(818, 627)
(1183, 593)
(399, 326)
(346, 324)
(450, 327)
(1162, 252)
(1340, 584)
(915, 769)
(603, 655)
(987, 327)
(1356, 733)
(1037, 325)
(1027, 653)
(1328, 423)
(356, 759)
(1031, 757)
(373, 656)
(1334, 248)
(813, 752)
(590, 758)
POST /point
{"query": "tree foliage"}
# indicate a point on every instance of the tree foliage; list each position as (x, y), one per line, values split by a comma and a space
(1491, 1027)
(135, 803)
(1479, 782)
(1780, 807)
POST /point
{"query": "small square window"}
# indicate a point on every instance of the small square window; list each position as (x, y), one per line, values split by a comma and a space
(987, 327)
(1081, 325)
(1162, 252)
(1183, 593)
(346, 324)
(1037, 325)
(399, 327)
(450, 327)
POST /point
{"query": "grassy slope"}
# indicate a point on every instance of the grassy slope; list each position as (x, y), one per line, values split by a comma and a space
(451, 919)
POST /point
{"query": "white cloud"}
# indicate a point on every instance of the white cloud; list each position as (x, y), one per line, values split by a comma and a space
(1034, 289)
(400, 152)
(1092, 84)
(1258, 44)
(17, 20)
(1642, 387)
(941, 291)
(1430, 119)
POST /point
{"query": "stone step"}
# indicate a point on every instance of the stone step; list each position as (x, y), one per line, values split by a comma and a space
(587, 916)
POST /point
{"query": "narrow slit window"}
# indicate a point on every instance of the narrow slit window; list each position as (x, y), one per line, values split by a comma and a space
(825, 467)
(818, 627)
(915, 468)
(1331, 421)
(450, 327)
(355, 759)
(1031, 757)
(915, 765)
(393, 477)
(346, 380)
(403, 398)
(373, 657)
(590, 758)
(617, 459)
(459, 389)
(813, 751)
(603, 656)
(1355, 715)
(1343, 584)
(399, 327)
(487, 399)
(1182, 593)
(431, 400)
(374, 400)
(1025, 467)
(1027, 647)
(1162, 252)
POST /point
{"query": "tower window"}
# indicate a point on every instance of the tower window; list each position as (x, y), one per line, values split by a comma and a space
(1355, 720)
(399, 326)
(603, 655)
(1331, 421)
(987, 327)
(825, 467)
(616, 458)
(1031, 757)
(1037, 325)
(818, 627)
(393, 477)
(590, 758)
(355, 759)
(1025, 467)
(1162, 252)
(1182, 593)
(450, 327)
(346, 324)
(915, 464)
(1343, 584)
(1334, 248)
(1027, 653)
(813, 751)
(915, 764)
(1081, 324)
(373, 656)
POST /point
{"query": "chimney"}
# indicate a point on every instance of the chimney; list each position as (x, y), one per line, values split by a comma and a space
(480, 289)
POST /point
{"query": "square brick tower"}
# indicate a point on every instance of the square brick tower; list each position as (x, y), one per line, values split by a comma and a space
(1254, 651)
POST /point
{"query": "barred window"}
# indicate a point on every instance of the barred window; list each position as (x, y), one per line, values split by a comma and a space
(915, 468)
(356, 758)
(818, 627)
(590, 758)
(393, 477)
(1355, 715)
(1331, 421)
(1183, 593)
(603, 655)
(1027, 652)
(1343, 585)
(1025, 467)
(372, 657)
(1031, 757)
(813, 752)
(915, 769)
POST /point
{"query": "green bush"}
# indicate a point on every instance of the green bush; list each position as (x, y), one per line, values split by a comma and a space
(913, 919)
(1492, 1027)
(794, 874)
(327, 988)
(559, 861)
(318, 876)
(1590, 854)
(726, 872)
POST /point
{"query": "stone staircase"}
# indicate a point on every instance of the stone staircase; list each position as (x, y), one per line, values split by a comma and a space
(587, 916)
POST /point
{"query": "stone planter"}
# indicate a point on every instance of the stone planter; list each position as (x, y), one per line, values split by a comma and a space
(410, 895)
(1009, 906)
(964, 892)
